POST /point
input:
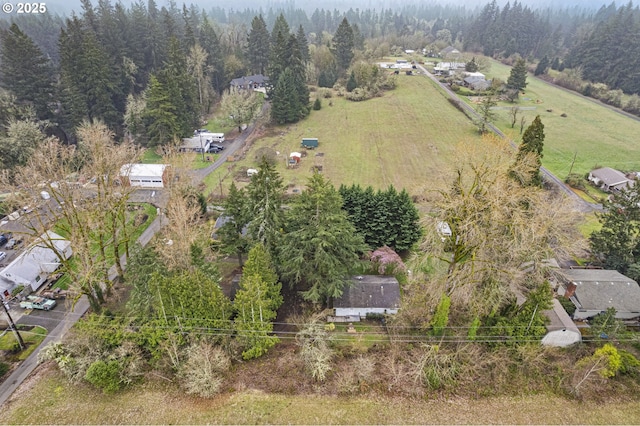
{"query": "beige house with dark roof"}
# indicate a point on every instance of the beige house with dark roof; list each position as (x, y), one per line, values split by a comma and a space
(376, 294)
(609, 179)
(595, 290)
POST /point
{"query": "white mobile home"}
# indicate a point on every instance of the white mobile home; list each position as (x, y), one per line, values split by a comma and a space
(36, 263)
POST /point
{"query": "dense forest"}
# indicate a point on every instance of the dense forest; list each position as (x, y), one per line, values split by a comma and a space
(109, 60)
(133, 66)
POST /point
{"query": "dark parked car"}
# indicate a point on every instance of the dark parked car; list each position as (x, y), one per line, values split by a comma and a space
(3, 240)
(214, 149)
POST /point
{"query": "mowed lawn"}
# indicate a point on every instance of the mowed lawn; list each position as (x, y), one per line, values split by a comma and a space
(405, 138)
(593, 133)
(53, 400)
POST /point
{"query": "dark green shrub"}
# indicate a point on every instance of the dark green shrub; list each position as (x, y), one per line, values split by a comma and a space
(104, 375)
(317, 104)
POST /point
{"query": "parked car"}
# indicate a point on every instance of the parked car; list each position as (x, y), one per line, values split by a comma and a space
(3, 239)
(2, 255)
(214, 149)
(37, 302)
(13, 242)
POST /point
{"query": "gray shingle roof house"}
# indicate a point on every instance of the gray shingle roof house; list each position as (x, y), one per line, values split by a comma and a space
(449, 51)
(369, 294)
(250, 82)
(595, 290)
(609, 179)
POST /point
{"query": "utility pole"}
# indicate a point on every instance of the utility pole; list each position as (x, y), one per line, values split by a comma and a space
(12, 326)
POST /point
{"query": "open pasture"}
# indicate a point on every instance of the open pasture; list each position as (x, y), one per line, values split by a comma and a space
(592, 132)
(405, 138)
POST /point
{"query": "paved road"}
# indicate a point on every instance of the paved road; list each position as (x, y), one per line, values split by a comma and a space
(64, 321)
(582, 205)
(59, 320)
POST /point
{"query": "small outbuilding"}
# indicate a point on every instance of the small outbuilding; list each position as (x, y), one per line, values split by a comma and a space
(376, 294)
(561, 331)
(144, 175)
(309, 143)
(595, 290)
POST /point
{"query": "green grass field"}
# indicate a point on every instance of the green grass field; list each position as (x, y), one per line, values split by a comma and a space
(31, 338)
(60, 402)
(599, 136)
(405, 138)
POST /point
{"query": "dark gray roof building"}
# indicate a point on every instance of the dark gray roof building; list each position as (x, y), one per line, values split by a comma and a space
(250, 82)
(369, 294)
(595, 290)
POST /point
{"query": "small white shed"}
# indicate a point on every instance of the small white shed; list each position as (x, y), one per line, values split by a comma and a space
(144, 175)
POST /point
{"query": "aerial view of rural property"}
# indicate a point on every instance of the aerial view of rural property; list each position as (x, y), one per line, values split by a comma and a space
(295, 212)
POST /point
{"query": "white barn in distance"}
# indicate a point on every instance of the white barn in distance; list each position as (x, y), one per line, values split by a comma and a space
(144, 175)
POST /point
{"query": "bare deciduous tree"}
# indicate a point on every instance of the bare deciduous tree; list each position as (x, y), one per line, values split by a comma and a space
(501, 233)
(77, 191)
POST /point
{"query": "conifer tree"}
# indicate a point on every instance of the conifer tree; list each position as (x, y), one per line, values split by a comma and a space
(258, 45)
(265, 193)
(351, 83)
(160, 114)
(25, 71)
(303, 45)
(253, 323)
(321, 248)
(518, 77)
(215, 61)
(531, 146)
(343, 45)
(233, 232)
(542, 67)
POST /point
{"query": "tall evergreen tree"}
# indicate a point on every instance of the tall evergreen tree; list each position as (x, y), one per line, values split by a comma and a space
(86, 83)
(542, 66)
(321, 248)
(299, 76)
(518, 77)
(215, 60)
(343, 45)
(25, 71)
(532, 144)
(233, 234)
(258, 45)
(303, 44)
(260, 263)
(617, 243)
(279, 53)
(285, 101)
(253, 323)
(160, 114)
(265, 193)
